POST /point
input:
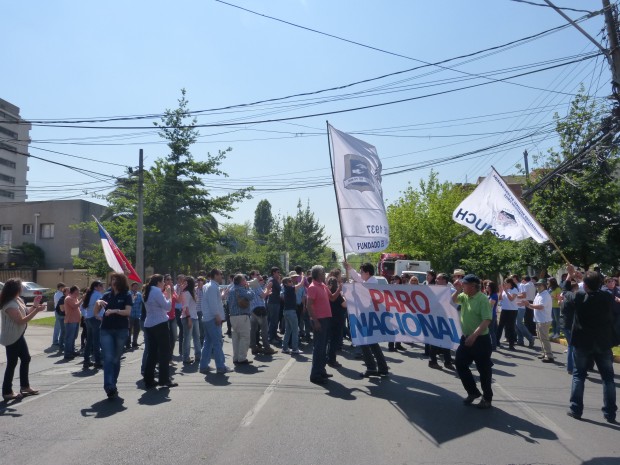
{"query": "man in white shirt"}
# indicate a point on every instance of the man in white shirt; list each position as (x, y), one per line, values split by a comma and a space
(542, 307)
(373, 354)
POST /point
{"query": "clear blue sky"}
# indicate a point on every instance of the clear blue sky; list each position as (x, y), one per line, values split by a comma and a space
(74, 59)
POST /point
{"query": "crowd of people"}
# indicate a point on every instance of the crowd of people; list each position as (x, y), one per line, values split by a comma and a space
(262, 312)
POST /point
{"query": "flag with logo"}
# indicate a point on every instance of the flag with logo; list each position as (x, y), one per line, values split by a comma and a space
(357, 178)
(493, 207)
(113, 255)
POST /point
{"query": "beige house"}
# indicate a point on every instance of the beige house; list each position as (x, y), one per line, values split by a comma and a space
(49, 225)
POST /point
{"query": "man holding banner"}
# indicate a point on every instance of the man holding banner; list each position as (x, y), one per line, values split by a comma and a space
(373, 355)
(475, 343)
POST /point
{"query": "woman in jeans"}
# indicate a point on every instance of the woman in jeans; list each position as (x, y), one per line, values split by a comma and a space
(114, 330)
(189, 320)
(15, 317)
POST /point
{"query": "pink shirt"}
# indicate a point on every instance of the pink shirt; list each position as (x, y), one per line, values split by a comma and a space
(72, 310)
(319, 294)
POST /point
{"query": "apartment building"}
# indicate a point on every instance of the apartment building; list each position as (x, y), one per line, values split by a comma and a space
(14, 140)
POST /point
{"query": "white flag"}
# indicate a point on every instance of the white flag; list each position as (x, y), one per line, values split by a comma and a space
(357, 177)
(493, 207)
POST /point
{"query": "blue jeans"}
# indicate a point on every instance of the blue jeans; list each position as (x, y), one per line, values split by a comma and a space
(112, 343)
(605, 364)
(522, 331)
(569, 355)
(291, 330)
(145, 354)
(319, 353)
(273, 312)
(59, 331)
(212, 346)
(71, 331)
(555, 323)
(188, 336)
(93, 343)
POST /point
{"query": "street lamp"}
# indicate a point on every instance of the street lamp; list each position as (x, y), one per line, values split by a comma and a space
(36, 226)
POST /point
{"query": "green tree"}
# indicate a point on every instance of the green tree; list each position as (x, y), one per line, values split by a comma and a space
(33, 255)
(263, 219)
(180, 230)
(421, 225)
(579, 207)
(304, 238)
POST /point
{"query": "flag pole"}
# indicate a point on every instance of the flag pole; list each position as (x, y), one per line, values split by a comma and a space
(538, 223)
(331, 164)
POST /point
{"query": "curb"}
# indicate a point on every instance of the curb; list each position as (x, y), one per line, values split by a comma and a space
(562, 341)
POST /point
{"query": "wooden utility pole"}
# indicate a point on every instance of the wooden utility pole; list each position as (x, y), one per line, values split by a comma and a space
(140, 222)
(614, 52)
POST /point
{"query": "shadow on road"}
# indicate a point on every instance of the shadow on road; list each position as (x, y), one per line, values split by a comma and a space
(602, 461)
(155, 396)
(104, 408)
(440, 413)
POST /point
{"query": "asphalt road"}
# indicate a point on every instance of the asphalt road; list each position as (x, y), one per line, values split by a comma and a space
(270, 414)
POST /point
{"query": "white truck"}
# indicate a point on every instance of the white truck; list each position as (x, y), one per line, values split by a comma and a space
(410, 268)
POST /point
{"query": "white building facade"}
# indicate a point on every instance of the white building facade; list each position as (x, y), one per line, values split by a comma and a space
(14, 140)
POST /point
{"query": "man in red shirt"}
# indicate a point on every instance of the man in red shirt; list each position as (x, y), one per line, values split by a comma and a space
(320, 314)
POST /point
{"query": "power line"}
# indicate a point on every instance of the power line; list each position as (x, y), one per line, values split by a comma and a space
(340, 87)
(333, 112)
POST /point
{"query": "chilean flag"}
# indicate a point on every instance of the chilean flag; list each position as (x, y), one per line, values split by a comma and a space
(115, 258)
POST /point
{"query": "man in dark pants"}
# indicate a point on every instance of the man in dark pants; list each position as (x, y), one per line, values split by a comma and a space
(320, 314)
(372, 353)
(592, 339)
(476, 315)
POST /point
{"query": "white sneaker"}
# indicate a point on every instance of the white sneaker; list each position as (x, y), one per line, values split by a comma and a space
(296, 352)
(225, 370)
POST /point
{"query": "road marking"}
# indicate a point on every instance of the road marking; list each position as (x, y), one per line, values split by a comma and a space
(534, 414)
(249, 417)
(29, 399)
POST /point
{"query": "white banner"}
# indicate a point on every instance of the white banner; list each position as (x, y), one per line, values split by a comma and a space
(493, 207)
(382, 312)
(357, 176)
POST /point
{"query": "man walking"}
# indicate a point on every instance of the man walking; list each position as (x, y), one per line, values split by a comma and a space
(542, 307)
(273, 304)
(592, 340)
(212, 318)
(476, 315)
(320, 314)
(372, 353)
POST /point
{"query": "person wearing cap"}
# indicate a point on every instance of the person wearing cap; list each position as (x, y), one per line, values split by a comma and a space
(475, 346)
(542, 308)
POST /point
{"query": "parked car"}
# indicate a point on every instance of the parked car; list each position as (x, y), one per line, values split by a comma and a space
(30, 290)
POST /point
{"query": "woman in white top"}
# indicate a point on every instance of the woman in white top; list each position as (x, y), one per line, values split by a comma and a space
(15, 317)
(156, 328)
(189, 318)
(508, 316)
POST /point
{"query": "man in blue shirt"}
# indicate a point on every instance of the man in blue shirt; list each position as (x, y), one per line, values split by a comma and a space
(212, 317)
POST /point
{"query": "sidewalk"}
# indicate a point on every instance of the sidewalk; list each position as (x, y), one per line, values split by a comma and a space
(38, 338)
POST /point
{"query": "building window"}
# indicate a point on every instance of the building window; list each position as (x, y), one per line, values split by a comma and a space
(4, 177)
(28, 230)
(8, 147)
(6, 231)
(7, 194)
(47, 231)
(9, 163)
(8, 132)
